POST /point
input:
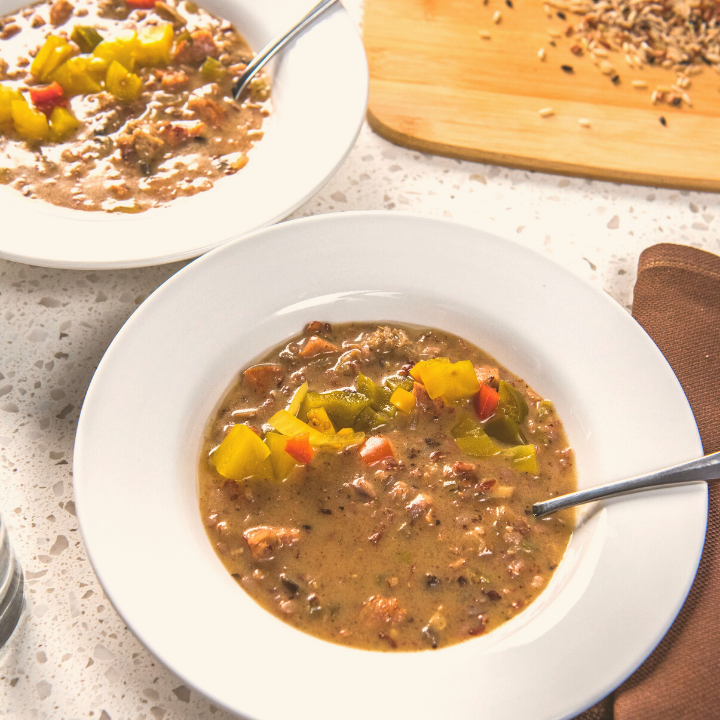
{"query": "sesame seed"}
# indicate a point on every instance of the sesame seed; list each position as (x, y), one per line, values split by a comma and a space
(509, 3)
(606, 68)
(567, 68)
(485, 35)
(541, 54)
(584, 122)
(554, 34)
(663, 121)
(547, 10)
(639, 84)
(497, 17)
(546, 112)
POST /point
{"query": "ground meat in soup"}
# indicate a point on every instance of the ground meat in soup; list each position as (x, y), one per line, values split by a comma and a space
(159, 125)
(372, 486)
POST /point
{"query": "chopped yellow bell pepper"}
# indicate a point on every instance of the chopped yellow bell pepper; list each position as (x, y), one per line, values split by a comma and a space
(282, 463)
(75, 77)
(62, 124)
(479, 445)
(122, 84)
(299, 396)
(523, 458)
(154, 44)
(241, 454)
(7, 95)
(51, 55)
(120, 48)
(416, 370)
(318, 418)
(403, 400)
(289, 425)
(452, 381)
(30, 124)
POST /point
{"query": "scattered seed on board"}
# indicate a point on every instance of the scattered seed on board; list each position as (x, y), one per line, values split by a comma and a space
(554, 34)
(484, 34)
(546, 112)
(639, 84)
(497, 17)
(561, 15)
(567, 68)
(509, 3)
(584, 122)
(663, 121)
(615, 79)
(541, 54)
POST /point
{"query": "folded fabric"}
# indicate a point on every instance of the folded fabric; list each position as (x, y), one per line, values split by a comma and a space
(677, 302)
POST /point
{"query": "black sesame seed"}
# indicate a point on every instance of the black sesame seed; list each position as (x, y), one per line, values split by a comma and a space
(663, 121)
(676, 101)
(509, 3)
(562, 15)
(615, 79)
(567, 68)
(307, 527)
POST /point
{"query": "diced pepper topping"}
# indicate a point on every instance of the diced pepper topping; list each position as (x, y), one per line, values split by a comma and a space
(154, 44)
(52, 54)
(120, 48)
(241, 454)
(7, 95)
(282, 463)
(486, 401)
(452, 381)
(75, 76)
(141, 4)
(299, 396)
(511, 402)
(62, 124)
(505, 429)
(368, 420)
(122, 84)
(213, 69)
(48, 97)
(523, 458)
(376, 448)
(86, 37)
(472, 438)
(289, 425)
(403, 400)
(379, 396)
(298, 447)
(317, 346)
(318, 419)
(30, 124)
(342, 406)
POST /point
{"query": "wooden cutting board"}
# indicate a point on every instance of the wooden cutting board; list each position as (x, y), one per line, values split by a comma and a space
(437, 86)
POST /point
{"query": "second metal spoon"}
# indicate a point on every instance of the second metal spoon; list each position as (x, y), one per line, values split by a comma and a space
(704, 468)
(279, 42)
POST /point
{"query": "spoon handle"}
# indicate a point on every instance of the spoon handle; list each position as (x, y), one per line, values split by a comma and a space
(277, 43)
(704, 468)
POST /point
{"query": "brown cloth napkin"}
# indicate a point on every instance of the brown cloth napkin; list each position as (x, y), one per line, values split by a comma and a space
(677, 302)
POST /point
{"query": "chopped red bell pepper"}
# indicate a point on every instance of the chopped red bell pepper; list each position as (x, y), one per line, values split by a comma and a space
(141, 4)
(376, 448)
(47, 97)
(486, 401)
(298, 447)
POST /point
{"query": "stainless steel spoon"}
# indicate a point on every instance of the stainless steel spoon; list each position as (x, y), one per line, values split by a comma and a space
(704, 468)
(279, 42)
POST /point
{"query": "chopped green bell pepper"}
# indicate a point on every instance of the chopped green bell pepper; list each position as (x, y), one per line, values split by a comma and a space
(523, 458)
(289, 425)
(342, 406)
(379, 396)
(399, 381)
(505, 429)
(86, 37)
(511, 403)
(368, 420)
(213, 69)
(479, 445)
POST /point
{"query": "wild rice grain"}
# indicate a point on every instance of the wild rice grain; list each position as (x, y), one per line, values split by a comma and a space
(567, 68)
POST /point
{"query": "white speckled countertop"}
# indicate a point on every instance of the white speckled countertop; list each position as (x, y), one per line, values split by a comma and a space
(72, 656)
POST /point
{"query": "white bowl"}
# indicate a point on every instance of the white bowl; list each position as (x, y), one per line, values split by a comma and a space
(320, 87)
(629, 565)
